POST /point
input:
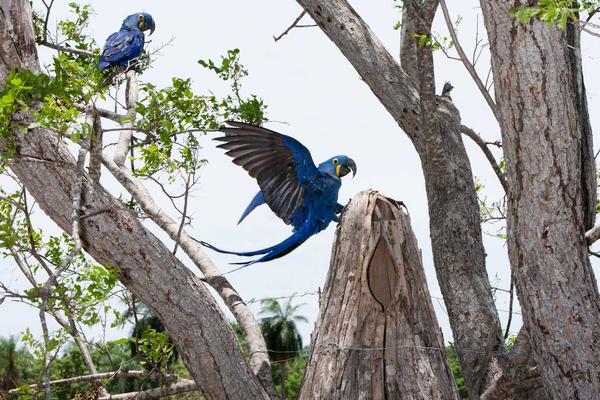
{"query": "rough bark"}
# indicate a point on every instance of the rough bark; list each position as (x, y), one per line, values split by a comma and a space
(377, 336)
(433, 125)
(546, 140)
(147, 268)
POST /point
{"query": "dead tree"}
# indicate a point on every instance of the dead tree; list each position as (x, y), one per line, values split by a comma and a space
(377, 336)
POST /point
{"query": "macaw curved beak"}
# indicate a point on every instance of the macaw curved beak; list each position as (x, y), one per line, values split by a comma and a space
(344, 169)
(152, 27)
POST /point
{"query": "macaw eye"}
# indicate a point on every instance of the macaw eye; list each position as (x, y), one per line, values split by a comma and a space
(335, 161)
(141, 17)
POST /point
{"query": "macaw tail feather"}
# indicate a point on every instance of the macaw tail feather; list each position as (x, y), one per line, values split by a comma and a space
(256, 201)
(103, 64)
(270, 253)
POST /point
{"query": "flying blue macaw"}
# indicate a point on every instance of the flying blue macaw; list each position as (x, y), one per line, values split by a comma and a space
(128, 43)
(300, 193)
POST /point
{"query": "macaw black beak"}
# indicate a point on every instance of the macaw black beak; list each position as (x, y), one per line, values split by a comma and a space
(352, 166)
(344, 169)
(152, 27)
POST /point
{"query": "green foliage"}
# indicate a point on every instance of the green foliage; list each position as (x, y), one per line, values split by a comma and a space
(231, 70)
(173, 116)
(149, 341)
(110, 356)
(294, 375)
(436, 42)
(456, 371)
(73, 29)
(156, 346)
(552, 12)
(53, 98)
(510, 341)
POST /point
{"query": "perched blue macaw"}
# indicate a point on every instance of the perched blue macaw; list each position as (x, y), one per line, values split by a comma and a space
(127, 44)
(300, 193)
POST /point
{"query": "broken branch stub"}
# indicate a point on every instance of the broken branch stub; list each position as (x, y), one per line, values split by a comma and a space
(377, 335)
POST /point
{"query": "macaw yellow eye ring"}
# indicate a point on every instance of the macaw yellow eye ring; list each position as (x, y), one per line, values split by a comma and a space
(141, 17)
(335, 161)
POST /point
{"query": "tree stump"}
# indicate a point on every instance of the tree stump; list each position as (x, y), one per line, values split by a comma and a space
(377, 336)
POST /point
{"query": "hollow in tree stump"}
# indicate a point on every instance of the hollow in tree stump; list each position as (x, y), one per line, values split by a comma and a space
(377, 336)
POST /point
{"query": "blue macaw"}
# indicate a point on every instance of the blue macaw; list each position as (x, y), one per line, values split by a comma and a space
(128, 43)
(300, 193)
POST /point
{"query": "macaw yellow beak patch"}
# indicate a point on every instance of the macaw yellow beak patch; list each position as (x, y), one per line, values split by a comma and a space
(337, 169)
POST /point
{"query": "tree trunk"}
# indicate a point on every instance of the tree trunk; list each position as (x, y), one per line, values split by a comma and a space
(377, 336)
(433, 124)
(282, 373)
(116, 238)
(547, 142)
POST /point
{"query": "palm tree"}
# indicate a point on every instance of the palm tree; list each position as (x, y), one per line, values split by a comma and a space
(278, 326)
(11, 373)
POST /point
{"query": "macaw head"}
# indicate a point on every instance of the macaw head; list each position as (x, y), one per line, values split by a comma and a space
(339, 166)
(142, 21)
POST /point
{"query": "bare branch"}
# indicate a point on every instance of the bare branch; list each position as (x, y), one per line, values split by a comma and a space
(95, 377)
(593, 235)
(182, 386)
(131, 99)
(465, 60)
(505, 388)
(66, 49)
(47, 18)
(294, 25)
(488, 154)
(104, 113)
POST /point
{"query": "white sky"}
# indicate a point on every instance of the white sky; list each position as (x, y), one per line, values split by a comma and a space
(308, 84)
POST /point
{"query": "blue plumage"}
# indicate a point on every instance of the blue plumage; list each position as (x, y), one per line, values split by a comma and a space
(127, 44)
(300, 193)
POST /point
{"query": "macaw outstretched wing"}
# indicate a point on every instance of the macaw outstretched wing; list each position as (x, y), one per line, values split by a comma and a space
(282, 166)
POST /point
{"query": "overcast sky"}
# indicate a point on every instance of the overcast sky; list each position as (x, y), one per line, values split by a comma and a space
(318, 98)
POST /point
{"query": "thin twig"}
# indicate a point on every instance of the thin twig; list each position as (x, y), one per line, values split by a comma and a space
(488, 154)
(66, 49)
(465, 60)
(182, 386)
(48, 9)
(510, 306)
(294, 25)
(184, 213)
